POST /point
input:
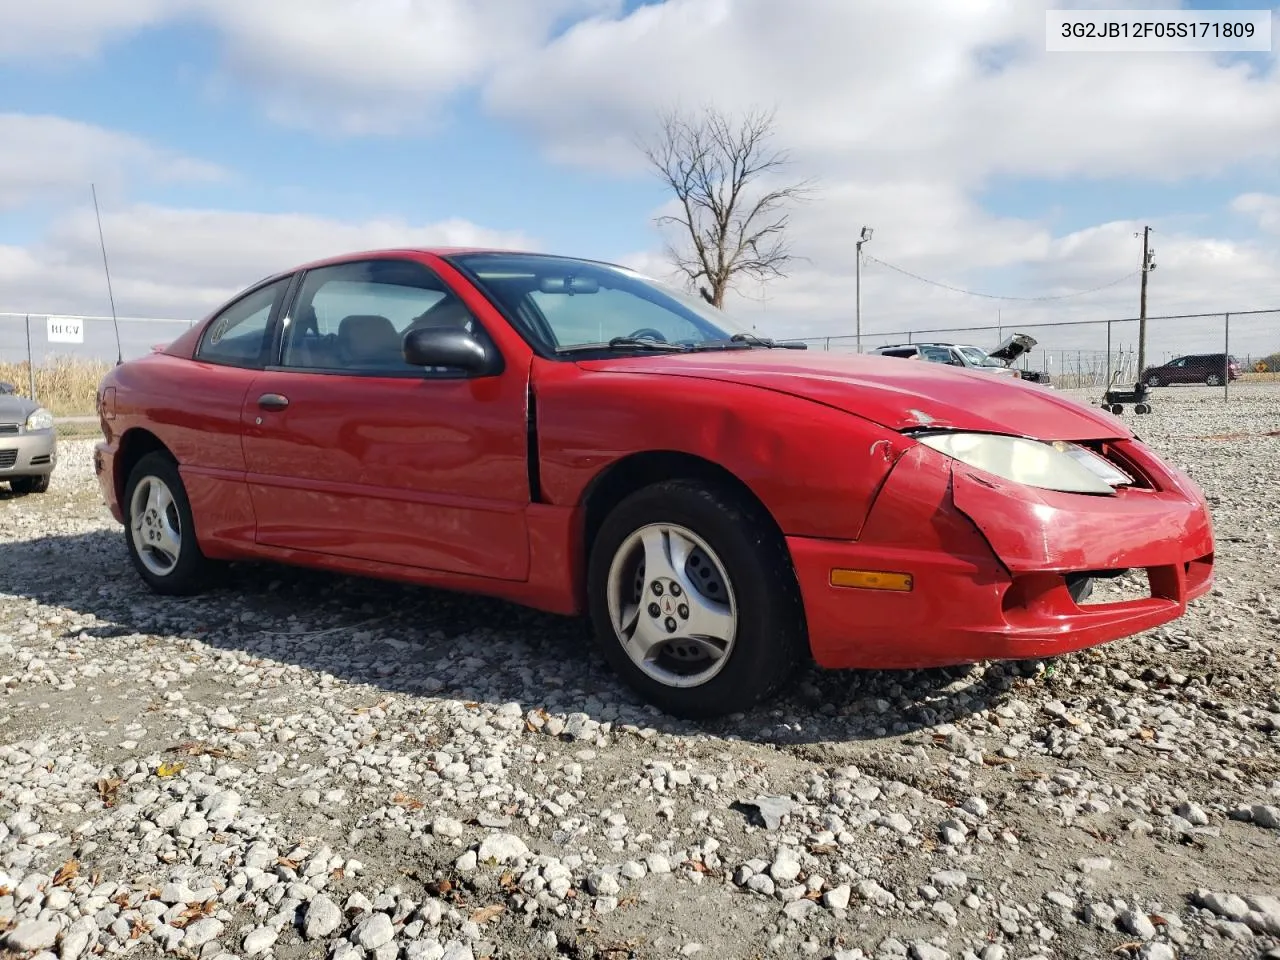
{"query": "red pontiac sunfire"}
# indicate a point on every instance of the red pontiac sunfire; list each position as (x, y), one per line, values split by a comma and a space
(576, 437)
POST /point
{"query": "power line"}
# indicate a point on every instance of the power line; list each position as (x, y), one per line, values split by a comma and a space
(991, 296)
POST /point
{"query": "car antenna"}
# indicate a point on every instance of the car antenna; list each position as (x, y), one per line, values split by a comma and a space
(107, 270)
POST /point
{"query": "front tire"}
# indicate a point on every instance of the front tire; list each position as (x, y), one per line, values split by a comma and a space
(1154, 382)
(25, 485)
(693, 599)
(159, 530)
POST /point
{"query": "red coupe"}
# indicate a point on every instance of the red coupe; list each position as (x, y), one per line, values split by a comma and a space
(573, 436)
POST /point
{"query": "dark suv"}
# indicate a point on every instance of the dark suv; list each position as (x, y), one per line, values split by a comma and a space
(1206, 368)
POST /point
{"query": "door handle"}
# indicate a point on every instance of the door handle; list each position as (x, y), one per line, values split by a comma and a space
(273, 401)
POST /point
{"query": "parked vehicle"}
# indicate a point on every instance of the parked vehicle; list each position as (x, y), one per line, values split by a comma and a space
(951, 354)
(1018, 345)
(7, 388)
(573, 436)
(1210, 369)
(28, 444)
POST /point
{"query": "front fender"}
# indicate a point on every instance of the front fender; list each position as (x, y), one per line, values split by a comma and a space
(816, 469)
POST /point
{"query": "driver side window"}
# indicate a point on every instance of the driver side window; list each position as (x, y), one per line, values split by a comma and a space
(352, 318)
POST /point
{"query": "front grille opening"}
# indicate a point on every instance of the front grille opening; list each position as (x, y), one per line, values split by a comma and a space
(1091, 588)
(40, 461)
(8, 429)
(8, 458)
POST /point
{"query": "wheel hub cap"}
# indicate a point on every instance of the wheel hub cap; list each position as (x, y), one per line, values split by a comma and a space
(671, 605)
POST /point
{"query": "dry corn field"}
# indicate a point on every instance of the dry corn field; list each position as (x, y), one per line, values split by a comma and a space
(67, 386)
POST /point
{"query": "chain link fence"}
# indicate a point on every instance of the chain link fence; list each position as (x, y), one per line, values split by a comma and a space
(61, 359)
(1091, 354)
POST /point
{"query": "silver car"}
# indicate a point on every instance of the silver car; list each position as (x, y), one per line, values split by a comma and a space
(28, 444)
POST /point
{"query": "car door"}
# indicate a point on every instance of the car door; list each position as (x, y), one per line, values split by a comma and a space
(1178, 371)
(209, 393)
(352, 452)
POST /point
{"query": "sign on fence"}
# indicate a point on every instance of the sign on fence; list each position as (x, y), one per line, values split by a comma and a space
(65, 329)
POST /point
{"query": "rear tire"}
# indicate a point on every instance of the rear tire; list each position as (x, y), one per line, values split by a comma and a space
(693, 599)
(1213, 380)
(25, 485)
(159, 530)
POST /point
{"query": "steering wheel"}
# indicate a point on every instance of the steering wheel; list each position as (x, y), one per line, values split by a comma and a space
(648, 333)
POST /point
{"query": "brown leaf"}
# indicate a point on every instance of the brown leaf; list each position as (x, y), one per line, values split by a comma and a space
(107, 790)
(195, 748)
(66, 873)
(286, 862)
(485, 914)
(818, 849)
(1146, 734)
(408, 802)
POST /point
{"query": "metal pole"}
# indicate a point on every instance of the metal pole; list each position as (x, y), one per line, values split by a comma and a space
(1142, 307)
(1108, 354)
(1226, 357)
(31, 367)
(857, 295)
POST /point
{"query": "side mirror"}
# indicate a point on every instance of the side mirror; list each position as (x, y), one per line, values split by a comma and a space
(451, 347)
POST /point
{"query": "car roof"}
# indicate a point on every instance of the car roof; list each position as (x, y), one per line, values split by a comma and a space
(420, 251)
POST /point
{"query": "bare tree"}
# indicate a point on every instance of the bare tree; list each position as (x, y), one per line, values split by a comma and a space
(732, 210)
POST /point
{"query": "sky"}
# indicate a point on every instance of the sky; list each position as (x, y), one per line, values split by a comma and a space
(228, 139)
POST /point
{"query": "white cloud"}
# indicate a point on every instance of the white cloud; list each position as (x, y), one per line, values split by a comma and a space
(48, 29)
(1263, 207)
(46, 155)
(180, 263)
(335, 66)
(895, 87)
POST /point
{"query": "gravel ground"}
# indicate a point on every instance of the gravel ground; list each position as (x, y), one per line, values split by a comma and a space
(302, 765)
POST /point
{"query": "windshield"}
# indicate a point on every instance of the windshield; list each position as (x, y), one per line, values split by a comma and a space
(978, 357)
(563, 303)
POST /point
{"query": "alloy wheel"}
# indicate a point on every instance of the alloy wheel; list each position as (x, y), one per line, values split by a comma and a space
(672, 605)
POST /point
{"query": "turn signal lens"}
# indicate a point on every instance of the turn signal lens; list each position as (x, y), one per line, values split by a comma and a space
(872, 580)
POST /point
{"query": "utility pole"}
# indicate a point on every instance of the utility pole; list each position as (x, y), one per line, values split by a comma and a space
(1148, 265)
(857, 286)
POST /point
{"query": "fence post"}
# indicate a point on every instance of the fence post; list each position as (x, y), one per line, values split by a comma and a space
(31, 365)
(1226, 357)
(1108, 383)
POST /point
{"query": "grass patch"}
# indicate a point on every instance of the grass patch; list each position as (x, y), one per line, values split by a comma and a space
(68, 386)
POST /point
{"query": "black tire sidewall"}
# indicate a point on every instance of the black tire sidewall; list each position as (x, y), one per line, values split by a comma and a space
(771, 635)
(186, 575)
(24, 486)
(1154, 382)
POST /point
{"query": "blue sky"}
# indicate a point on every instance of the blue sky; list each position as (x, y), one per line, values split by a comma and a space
(230, 139)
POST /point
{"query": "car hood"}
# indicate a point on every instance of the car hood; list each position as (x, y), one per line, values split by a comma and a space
(14, 409)
(888, 391)
(1012, 348)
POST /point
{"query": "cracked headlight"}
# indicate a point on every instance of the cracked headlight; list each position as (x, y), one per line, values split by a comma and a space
(1063, 466)
(40, 419)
